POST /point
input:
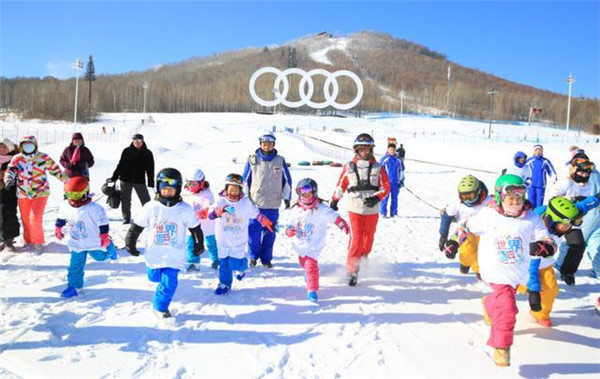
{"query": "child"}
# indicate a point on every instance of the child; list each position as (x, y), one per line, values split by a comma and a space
(167, 218)
(519, 167)
(510, 232)
(307, 222)
(202, 197)
(87, 230)
(472, 197)
(233, 212)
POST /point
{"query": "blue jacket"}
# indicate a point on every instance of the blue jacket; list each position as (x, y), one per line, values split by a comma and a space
(540, 169)
(394, 168)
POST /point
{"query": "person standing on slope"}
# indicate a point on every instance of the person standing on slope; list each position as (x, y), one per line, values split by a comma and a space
(366, 183)
(520, 168)
(540, 169)
(394, 167)
(269, 181)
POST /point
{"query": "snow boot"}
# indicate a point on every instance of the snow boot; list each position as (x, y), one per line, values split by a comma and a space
(165, 314)
(312, 296)
(502, 357)
(38, 248)
(9, 245)
(215, 265)
(69, 293)
(568, 279)
(545, 322)
(192, 267)
(464, 269)
(352, 279)
(268, 265)
(486, 317)
(240, 275)
(252, 262)
(221, 289)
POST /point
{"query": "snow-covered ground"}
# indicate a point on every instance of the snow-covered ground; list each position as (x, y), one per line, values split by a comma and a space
(412, 315)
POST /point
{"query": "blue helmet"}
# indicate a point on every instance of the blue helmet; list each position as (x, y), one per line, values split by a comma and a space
(518, 156)
(267, 138)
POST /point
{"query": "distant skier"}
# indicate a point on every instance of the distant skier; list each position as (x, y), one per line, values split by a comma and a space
(87, 228)
(366, 183)
(541, 168)
(520, 168)
(307, 225)
(394, 167)
(401, 152)
(167, 218)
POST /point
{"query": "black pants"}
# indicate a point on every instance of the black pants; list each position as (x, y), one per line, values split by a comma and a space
(9, 223)
(140, 189)
(574, 255)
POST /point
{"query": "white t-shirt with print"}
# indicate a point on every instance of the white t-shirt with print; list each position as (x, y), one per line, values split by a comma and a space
(166, 228)
(201, 200)
(568, 188)
(461, 211)
(311, 228)
(82, 230)
(503, 253)
(232, 231)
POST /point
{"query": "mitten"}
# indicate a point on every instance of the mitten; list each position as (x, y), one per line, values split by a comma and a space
(442, 242)
(290, 231)
(451, 249)
(535, 300)
(202, 214)
(343, 225)
(265, 222)
(333, 204)
(58, 232)
(104, 240)
(371, 201)
(542, 249)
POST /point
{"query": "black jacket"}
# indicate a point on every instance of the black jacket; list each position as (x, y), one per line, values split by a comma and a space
(9, 223)
(134, 165)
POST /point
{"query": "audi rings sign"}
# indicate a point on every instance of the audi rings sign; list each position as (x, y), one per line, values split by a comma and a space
(330, 88)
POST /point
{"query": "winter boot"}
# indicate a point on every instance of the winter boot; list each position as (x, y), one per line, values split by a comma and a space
(69, 292)
(215, 265)
(38, 248)
(192, 267)
(221, 289)
(486, 318)
(545, 322)
(240, 275)
(568, 279)
(502, 357)
(464, 269)
(312, 296)
(165, 314)
(252, 262)
(352, 279)
(268, 265)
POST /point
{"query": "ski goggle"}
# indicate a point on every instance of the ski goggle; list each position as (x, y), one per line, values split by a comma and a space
(266, 138)
(467, 196)
(234, 179)
(167, 181)
(583, 164)
(304, 190)
(513, 192)
(76, 195)
(363, 140)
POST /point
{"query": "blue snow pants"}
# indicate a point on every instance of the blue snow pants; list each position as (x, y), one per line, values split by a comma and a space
(166, 278)
(260, 239)
(77, 264)
(393, 196)
(227, 266)
(536, 195)
(210, 243)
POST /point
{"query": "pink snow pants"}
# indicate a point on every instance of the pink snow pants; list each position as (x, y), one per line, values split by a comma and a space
(501, 306)
(32, 212)
(311, 271)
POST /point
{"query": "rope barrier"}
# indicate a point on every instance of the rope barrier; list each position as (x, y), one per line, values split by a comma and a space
(418, 198)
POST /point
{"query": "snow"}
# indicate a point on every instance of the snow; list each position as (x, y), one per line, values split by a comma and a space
(412, 313)
(320, 56)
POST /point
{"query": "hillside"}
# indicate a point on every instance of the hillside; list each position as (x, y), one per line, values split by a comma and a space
(386, 65)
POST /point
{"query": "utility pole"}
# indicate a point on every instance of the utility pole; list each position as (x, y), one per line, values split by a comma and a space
(491, 92)
(78, 65)
(570, 80)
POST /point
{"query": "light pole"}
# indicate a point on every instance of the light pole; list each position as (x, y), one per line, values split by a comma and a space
(448, 91)
(401, 102)
(145, 86)
(581, 101)
(491, 92)
(570, 80)
(78, 65)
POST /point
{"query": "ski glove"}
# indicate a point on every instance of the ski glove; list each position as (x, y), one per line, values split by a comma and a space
(333, 204)
(198, 240)
(131, 239)
(542, 248)
(290, 231)
(451, 249)
(588, 203)
(104, 240)
(535, 300)
(202, 214)
(265, 222)
(342, 224)
(287, 203)
(371, 201)
(442, 242)
(58, 233)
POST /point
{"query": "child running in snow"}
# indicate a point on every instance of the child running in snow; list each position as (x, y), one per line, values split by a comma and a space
(87, 232)
(167, 217)
(201, 197)
(232, 212)
(510, 232)
(307, 222)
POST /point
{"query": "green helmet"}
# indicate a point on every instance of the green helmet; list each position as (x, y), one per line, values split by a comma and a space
(562, 209)
(468, 184)
(506, 180)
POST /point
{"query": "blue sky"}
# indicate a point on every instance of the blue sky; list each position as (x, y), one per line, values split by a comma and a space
(538, 43)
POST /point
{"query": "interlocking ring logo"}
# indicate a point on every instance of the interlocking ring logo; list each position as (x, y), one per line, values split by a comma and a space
(330, 90)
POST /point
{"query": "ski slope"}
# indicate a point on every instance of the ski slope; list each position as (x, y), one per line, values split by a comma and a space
(412, 314)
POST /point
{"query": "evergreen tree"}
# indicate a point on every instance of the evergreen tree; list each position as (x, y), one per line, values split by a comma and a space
(90, 76)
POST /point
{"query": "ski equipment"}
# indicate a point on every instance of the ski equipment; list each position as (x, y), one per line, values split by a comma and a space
(308, 193)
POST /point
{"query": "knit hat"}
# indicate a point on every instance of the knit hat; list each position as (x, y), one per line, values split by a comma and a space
(138, 136)
(538, 146)
(9, 144)
(77, 136)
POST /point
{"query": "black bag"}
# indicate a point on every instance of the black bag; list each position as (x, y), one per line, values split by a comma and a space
(108, 188)
(113, 195)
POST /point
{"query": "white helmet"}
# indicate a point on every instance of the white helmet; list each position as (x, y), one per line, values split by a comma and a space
(195, 175)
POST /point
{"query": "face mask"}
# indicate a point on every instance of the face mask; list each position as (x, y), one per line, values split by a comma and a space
(28, 148)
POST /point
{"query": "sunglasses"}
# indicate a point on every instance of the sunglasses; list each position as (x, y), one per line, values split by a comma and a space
(75, 195)
(513, 192)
